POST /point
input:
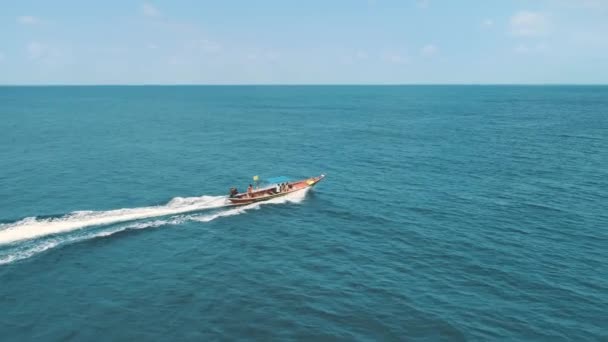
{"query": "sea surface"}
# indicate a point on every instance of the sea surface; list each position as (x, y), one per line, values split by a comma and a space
(448, 213)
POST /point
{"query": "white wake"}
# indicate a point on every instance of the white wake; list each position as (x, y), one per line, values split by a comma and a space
(31, 228)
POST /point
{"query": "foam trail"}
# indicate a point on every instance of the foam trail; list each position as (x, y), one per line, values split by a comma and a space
(17, 252)
(31, 227)
(20, 253)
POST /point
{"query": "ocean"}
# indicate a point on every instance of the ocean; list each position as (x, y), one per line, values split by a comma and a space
(448, 213)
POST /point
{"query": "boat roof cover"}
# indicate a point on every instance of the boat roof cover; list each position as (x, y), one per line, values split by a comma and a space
(279, 179)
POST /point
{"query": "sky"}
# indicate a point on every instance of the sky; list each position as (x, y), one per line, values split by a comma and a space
(304, 42)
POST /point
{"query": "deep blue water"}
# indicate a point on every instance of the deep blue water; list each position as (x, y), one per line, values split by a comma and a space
(448, 213)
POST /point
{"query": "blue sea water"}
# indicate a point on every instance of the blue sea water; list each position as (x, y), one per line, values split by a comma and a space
(448, 213)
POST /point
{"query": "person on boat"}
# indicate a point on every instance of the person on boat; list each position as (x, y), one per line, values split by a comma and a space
(277, 188)
(287, 186)
(250, 191)
(233, 192)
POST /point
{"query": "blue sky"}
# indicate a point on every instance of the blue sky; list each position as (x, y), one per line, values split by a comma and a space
(303, 42)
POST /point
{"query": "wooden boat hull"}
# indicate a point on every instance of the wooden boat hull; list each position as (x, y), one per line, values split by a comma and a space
(268, 193)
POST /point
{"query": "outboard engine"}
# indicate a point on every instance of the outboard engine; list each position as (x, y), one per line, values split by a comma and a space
(233, 192)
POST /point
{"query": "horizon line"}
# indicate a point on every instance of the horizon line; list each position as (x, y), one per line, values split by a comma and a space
(288, 84)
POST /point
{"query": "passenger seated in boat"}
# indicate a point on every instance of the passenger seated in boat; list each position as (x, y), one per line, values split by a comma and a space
(250, 191)
(277, 188)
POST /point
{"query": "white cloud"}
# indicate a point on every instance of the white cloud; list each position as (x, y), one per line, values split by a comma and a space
(27, 20)
(429, 50)
(149, 10)
(36, 50)
(487, 22)
(529, 24)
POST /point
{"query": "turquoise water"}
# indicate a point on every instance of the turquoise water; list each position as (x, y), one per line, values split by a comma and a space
(448, 213)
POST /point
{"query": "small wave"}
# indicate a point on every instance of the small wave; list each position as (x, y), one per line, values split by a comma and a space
(17, 253)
